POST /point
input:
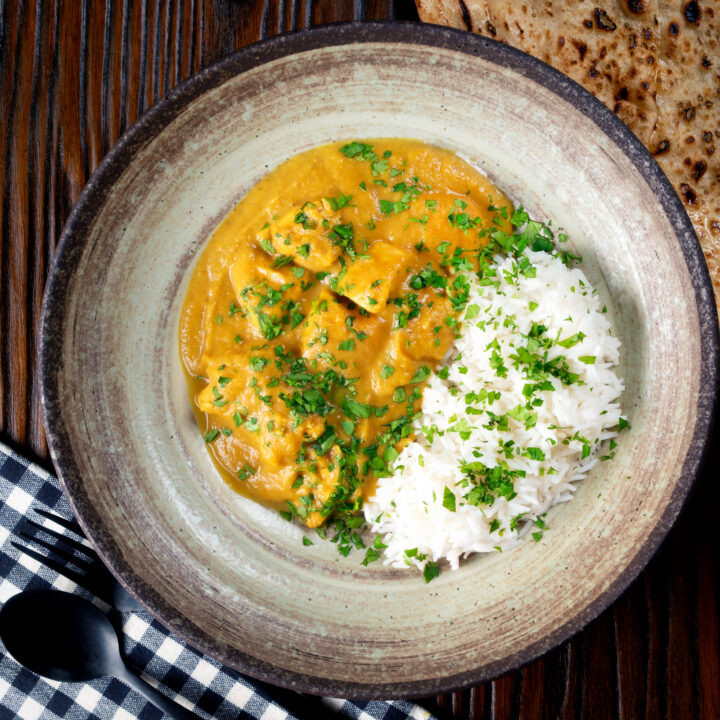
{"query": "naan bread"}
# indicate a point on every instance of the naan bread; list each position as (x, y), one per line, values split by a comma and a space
(655, 64)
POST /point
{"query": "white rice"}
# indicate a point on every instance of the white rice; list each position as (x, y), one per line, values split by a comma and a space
(408, 508)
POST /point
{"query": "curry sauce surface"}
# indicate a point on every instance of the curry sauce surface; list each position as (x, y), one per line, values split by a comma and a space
(318, 309)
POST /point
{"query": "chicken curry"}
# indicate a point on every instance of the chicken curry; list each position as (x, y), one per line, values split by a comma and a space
(320, 307)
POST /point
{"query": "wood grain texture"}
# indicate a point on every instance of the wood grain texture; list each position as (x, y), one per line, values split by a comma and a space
(73, 77)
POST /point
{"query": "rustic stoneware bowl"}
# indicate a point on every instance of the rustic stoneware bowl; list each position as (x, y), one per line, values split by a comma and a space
(233, 578)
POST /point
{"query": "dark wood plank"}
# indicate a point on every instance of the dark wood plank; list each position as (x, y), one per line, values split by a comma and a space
(599, 672)
(505, 702)
(43, 150)
(631, 644)
(656, 598)
(73, 77)
(544, 686)
(682, 671)
(16, 228)
(708, 600)
(572, 690)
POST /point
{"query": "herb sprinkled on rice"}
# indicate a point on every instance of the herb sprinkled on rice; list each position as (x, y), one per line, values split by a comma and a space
(524, 406)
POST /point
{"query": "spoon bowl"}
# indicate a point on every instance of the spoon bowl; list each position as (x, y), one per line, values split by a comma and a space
(65, 637)
(59, 636)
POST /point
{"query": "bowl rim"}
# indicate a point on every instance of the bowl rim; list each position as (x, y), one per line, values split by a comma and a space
(144, 130)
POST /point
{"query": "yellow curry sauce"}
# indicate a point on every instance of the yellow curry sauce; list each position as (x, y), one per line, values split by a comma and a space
(318, 309)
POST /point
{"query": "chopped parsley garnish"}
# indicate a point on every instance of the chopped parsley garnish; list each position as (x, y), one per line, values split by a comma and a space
(421, 374)
(342, 236)
(428, 277)
(523, 415)
(245, 472)
(354, 409)
(463, 221)
(448, 499)
(339, 202)
(572, 340)
(270, 326)
(431, 571)
(358, 149)
(218, 400)
(258, 363)
(489, 483)
(387, 371)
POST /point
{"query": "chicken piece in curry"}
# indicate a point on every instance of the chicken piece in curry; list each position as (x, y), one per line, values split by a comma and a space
(320, 307)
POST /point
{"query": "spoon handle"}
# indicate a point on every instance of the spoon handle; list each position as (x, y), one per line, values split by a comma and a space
(162, 702)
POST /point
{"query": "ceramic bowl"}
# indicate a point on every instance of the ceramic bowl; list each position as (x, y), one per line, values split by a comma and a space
(233, 578)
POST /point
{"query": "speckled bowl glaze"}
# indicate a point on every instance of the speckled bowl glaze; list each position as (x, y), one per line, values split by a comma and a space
(233, 578)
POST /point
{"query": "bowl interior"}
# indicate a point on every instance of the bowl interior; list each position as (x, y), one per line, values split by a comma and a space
(234, 578)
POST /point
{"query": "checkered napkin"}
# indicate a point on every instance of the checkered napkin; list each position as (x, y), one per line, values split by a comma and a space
(196, 681)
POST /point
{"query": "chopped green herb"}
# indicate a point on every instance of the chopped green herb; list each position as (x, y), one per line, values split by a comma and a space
(421, 374)
(448, 499)
(431, 571)
(245, 472)
(387, 371)
(572, 340)
(471, 312)
(339, 202)
(258, 363)
(266, 245)
(355, 409)
(355, 149)
(218, 398)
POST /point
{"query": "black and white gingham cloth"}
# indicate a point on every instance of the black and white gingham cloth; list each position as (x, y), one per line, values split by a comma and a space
(194, 680)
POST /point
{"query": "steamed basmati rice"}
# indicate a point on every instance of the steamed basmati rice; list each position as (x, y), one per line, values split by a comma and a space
(506, 428)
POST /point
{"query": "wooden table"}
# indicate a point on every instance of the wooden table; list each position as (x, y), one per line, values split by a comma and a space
(73, 76)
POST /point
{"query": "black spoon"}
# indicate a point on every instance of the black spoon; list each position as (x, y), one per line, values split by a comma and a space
(65, 637)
